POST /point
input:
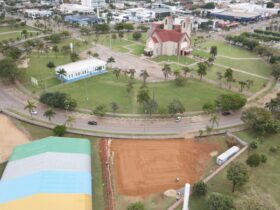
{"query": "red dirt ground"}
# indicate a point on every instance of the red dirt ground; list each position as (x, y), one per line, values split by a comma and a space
(144, 167)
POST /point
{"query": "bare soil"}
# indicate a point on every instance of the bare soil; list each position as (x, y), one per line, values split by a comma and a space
(144, 167)
(10, 136)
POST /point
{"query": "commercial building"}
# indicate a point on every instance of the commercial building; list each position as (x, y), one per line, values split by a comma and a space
(35, 13)
(239, 16)
(81, 69)
(73, 8)
(51, 173)
(83, 20)
(93, 3)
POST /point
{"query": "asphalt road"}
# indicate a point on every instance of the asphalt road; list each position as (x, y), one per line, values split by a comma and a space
(11, 98)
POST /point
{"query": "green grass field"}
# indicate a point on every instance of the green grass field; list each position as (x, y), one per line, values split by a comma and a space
(258, 82)
(181, 59)
(137, 49)
(142, 40)
(258, 67)
(264, 180)
(98, 197)
(201, 53)
(105, 89)
(228, 50)
(20, 28)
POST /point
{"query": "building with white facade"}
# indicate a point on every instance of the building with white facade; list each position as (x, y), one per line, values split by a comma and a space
(72, 8)
(81, 69)
(169, 38)
(93, 3)
(35, 13)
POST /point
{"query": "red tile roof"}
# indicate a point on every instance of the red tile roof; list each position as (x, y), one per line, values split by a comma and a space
(168, 35)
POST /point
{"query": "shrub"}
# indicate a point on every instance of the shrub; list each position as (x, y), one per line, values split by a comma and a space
(136, 206)
(253, 160)
(199, 189)
(59, 130)
(263, 158)
(217, 201)
(231, 142)
(58, 100)
(253, 145)
(273, 149)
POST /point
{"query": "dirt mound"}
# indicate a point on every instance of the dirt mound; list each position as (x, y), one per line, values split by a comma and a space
(144, 167)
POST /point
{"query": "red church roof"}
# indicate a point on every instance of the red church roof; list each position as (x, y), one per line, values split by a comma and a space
(168, 35)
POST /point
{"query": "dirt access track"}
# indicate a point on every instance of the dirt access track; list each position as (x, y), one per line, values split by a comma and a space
(144, 167)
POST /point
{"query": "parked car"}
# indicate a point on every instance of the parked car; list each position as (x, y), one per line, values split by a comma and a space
(92, 122)
(226, 113)
(178, 118)
(34, 112)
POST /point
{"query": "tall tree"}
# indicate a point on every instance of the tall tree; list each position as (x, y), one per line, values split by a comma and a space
(176, 107)
(213, 51)
(131, 73)
(30, 106)
(186, 70)
(176, 73)
(238, 174)
(229, 76)
(129, 86)
(143, 95)
(220, 77)
(117, 72)
(214, 120)
(166, 70)
(202, 69)
(242, 85)
(9, 69)
(144, 74)
(49, 113)
(55, 49)
(70, 121)
(50, 65)
(114, 107)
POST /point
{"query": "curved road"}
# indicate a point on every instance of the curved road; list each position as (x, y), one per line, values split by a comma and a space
(12, 99)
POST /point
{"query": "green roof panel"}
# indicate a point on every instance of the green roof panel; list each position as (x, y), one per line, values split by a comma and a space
(51, 144)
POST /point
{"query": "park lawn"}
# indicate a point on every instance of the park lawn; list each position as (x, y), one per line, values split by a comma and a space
(228, 50)
(20, 28)
(264, 180)
(142, 40)
(98, 197)
(105, 89)
(137, 49)
(78, 46)
(116, 44)
(239, 76)
(259, 67)
(201, 53)
(39, 70)
(181, 59)
(101, 89)
(14, 36)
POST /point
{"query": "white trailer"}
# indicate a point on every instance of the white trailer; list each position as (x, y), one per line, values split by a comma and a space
(221, 159)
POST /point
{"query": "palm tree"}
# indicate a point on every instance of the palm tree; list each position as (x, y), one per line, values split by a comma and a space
(30, 106)
(186, 70)
(40, 47)
(229, 76)
(220, 77)
(117, 72)
(176, 73)
(125, 72)
(242, 85)
(129, 87)
(114, 107)
(89, 53)
(55, 49)
(144, 74)
(49, 114)
(214, 120)
(61, 73)
(70, 121)
(143, 95)
(111, 60)
(24, 33)
(131, 73)
(202, 70)
(249, 83)
(166, 70)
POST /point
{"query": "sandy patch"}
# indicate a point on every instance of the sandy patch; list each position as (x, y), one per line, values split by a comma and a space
(24, 63)
(10, 136)
(144, 167)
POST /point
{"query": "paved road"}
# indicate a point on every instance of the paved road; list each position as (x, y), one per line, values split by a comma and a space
(10, 98)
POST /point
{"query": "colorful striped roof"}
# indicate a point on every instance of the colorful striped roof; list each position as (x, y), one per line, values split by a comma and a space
(51, 173)
(51, 144)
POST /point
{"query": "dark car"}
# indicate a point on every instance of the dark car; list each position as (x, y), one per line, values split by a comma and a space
(92, 122)
(226, 113)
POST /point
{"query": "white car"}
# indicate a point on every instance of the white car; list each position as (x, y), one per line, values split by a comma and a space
(178, 118)
(34, 112)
